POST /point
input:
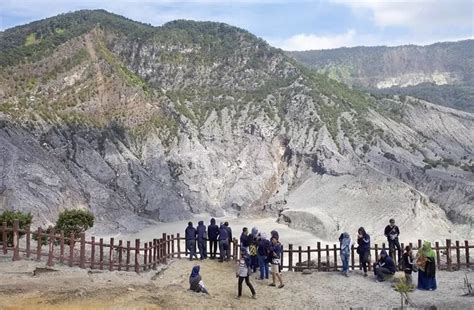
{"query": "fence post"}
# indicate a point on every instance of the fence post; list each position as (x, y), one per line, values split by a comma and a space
(82, 251)
(172, 246)
(39, 244)
(352, 257)
(16, 240)
(155, 250)
(28, 240)
(71, 249)
(318, 245)
(145, 255)
(299, 257)
(448, 253)
(4, 237)
(92, 252)
(101, 253)
(168, 246)
(120, 249)
(438, 258)
(309, 257)
(466, 244)
(150, 254)
(128, 257)
(179, 245)
(61, 247)
(51, 248)
(165, 250)
(376, 252)
(137, 255)
(335, 257)
(327, 257)
(281, 259)
(111, 255)
(458, 256)
(419, 244)
(290, 257)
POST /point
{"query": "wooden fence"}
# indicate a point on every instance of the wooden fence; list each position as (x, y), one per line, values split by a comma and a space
(141, 256)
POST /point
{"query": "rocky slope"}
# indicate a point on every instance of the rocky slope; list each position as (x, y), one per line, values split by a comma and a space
(441, 72)
(139, 123)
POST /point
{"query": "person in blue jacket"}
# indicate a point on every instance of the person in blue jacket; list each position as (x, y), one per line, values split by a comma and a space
(263, 251)
(201, 239)
(190, 234)
(213, 234)
(223, 243)
(384, 267)
(363, 248)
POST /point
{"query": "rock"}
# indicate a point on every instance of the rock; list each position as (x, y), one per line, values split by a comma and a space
(307, 271)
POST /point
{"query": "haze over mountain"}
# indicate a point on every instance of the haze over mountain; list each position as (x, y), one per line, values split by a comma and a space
(136, 122)
(441, 73)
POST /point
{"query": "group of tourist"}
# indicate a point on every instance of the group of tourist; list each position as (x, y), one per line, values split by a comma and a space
(256, 252)
(384, 267)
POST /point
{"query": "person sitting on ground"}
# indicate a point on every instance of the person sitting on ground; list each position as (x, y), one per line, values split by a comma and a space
(190, 234)
(195, 282)
(345, 245)
(244, 239)
(223, 243)
(384, 267)
(202, 239)
(253, 244)
(213, 233)
(243, 272)
(408, 265)
(363, 248)
(274, 258)
(426, 268)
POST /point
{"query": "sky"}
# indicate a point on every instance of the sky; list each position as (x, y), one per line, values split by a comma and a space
(290, 25)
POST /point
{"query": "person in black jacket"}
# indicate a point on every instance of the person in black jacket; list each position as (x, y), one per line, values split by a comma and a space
(213, 234)
(190, 234)
(392, 232)
(229, 231)
(202, 239)
(363, 248)
(385, 267)
(409, 266)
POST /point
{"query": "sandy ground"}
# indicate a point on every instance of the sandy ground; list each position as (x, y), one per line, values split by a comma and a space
(73, 288)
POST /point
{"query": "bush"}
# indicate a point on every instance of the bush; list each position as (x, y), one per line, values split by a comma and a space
(74, 221)
(10, 216)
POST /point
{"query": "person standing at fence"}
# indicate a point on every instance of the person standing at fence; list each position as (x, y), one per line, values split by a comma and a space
(253, 245)
(274, 258)
(202, 239)
(408, 264)
(223, 243)
(263, 251)
(426, 268)
(345, 245)
(274, 234)
(229, 231)
(195, 281)
(244, 239)
(243, 273)
(392, 232)
(384, 268)
(213, 234)
(363, 248)
(190, 234)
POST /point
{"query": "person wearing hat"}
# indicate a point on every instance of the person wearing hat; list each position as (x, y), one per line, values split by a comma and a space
(392, 232)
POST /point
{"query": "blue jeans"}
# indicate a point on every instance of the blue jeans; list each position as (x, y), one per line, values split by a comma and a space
(262, 262)
(345, 262)
(253, 263)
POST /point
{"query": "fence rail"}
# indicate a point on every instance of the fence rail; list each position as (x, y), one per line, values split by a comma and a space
(141, 256)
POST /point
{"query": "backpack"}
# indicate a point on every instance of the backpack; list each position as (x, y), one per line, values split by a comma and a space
(253, 250)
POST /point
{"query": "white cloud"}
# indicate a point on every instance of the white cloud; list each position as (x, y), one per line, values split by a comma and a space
(415, 14)
(305, 41)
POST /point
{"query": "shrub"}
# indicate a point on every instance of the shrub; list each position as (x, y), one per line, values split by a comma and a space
(74, 221)
(9, 216)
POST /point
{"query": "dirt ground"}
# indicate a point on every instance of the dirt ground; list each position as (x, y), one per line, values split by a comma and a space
(74, 288)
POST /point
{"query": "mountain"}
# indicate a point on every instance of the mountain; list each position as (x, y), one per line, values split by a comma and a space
(140, 123)
(441, 73)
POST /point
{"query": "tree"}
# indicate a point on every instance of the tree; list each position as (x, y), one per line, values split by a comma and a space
(74, 221)
(10, 216)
